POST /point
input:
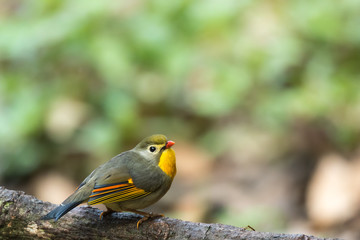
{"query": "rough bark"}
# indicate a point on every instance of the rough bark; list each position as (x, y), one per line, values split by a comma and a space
(20, 214)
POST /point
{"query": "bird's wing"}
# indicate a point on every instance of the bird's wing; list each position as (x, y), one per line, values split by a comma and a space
(115, 184)
(116, 192)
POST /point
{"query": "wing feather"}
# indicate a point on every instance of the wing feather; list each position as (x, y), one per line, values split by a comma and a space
(116, 192)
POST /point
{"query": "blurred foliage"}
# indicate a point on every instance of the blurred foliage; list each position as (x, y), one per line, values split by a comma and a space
(94, 77)
(140, 66)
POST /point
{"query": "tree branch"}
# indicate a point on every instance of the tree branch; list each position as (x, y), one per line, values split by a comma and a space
(20, 214)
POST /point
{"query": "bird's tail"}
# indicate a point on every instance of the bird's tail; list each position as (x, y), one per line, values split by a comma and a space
(81, 195)
(60, 211)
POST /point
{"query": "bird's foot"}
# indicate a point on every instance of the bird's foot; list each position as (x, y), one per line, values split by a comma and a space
(105, 213)
(147, 217)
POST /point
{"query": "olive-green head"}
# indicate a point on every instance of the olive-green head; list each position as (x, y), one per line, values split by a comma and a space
(153, 146)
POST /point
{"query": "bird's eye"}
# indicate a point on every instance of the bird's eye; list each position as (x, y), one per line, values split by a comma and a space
(152, 149)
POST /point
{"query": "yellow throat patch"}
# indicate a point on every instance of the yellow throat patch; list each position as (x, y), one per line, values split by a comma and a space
(167, 162)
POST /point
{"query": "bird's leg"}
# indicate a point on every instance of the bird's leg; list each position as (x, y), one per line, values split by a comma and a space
(105, 213)
(145, 214)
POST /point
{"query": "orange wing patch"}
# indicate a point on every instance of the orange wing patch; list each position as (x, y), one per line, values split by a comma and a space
(116, 192)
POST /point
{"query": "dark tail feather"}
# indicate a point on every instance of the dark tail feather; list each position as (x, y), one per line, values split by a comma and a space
(60, 211)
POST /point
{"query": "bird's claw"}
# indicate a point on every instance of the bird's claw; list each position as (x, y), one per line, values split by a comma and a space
(105, 213)
(147, 217)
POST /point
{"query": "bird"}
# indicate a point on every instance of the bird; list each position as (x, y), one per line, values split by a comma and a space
(132, 180)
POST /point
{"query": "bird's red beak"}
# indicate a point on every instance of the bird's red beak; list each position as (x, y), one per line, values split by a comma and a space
(169, 144)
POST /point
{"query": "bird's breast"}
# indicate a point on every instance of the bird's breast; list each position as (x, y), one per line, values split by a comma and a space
(167, 162)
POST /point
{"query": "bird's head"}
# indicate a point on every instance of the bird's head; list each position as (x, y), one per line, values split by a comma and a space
(157, 148)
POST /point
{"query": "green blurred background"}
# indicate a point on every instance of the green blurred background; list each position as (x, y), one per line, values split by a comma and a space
(261, 97)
